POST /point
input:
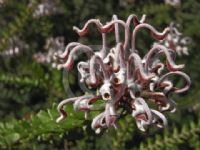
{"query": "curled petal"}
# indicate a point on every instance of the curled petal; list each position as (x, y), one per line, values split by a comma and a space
(83, 68)
(142, 20)
(81, 48)
(141, 111)
(84, 104)
(135, 20)
(141, 124)
(97, 60)
(171, 106)
(170, 62)
(175, 89)
(60, 109)
(65, 54)
(143, 76)
(110, 114)
(120, 55)
(159, 98)
(152, 61)
(126, 33)
(117, 35)
(133, 89)
(157, 35)
(156, 116)
(110, 57)
(167, 85)
(158, 68)
(103, 49)
(85, 29)
(98, 122)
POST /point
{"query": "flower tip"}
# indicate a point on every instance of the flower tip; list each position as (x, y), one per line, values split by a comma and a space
(173, 110)
(75, 28)
(58, 120)
(97, 131)
(165, 107)
(55, 56)
(59, 67)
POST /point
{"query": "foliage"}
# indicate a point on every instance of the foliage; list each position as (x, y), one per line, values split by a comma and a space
(188, 134)
(39, 126)
(30, 90)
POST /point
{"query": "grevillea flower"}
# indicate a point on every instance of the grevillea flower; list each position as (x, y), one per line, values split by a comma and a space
(176, 41)
(124, 78)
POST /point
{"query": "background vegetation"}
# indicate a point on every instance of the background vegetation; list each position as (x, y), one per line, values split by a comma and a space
(30, 91)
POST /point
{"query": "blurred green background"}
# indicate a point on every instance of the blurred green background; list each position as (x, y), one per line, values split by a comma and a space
(30, 88)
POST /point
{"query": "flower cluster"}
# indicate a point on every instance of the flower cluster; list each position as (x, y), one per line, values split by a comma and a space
(1, 2)
(46, 8)
(52, 45)
(176, 41)
(15, 47)
(122, 77)
(173, 2)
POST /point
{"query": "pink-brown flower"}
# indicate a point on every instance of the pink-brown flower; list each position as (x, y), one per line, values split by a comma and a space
(124, 78)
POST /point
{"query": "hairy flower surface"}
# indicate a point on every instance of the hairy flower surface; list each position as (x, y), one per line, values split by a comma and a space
(123, 78)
